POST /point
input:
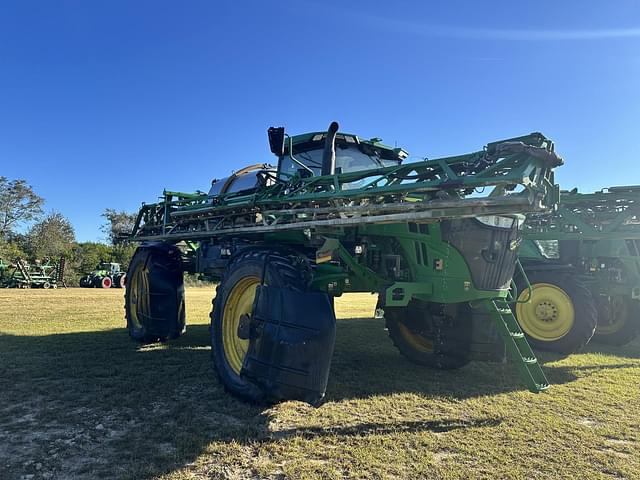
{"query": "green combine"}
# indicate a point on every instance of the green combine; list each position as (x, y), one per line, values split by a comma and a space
(436, 240)
(583, 263)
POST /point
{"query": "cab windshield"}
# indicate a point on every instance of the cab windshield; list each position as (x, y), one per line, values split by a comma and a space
(349, 158)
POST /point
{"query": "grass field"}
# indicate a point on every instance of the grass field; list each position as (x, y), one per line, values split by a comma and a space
(79, 400)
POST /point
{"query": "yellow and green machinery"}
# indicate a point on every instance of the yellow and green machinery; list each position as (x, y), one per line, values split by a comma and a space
(436, 240)
(583, 263)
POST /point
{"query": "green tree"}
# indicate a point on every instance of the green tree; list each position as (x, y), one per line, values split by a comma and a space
(11, 249)
(87, 255)
(119, 223)
(18, 204)
(122, 253)
(51, 237)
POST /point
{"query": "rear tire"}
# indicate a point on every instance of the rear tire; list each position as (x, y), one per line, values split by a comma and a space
(105, 282)
(425, 335)
(118, 280)
(620, 326)
(234, 297)
(154, 296)
(561, 314)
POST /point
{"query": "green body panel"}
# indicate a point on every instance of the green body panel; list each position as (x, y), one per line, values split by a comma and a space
(451, 283)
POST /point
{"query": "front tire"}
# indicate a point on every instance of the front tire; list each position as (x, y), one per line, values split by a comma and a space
(234, 298)
(154, 295)
(560, 315)
(426, 335)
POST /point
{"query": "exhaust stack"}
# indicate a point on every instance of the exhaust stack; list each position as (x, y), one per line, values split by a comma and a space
(329, 154)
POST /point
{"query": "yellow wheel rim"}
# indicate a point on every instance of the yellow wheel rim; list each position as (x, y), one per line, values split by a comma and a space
(239, 302)
(548, 315)
(415, 340)
(617, 318)
(139, 295)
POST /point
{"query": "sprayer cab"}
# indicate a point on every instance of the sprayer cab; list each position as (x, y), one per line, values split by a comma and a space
(329, 153)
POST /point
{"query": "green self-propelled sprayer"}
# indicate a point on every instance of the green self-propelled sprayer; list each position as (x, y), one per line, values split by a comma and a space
(583, 263)
(437, 241)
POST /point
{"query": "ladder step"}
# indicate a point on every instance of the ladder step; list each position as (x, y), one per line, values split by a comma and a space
(517, 346)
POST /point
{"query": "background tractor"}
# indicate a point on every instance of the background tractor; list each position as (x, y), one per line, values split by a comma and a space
(583, 263)
(435, 240)
(106, 275)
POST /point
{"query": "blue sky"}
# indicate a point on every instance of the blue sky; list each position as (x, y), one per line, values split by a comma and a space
(104, 104)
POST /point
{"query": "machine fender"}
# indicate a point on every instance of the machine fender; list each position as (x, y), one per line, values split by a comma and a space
(291, 338)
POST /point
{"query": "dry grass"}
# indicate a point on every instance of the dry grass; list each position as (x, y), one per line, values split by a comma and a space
(79, 400)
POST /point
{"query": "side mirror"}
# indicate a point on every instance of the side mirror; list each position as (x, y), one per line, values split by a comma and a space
(276, 140)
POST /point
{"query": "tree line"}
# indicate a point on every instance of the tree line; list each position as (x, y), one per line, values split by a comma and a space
(28, 233)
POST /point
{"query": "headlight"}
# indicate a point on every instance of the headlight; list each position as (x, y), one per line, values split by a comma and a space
(500, 222)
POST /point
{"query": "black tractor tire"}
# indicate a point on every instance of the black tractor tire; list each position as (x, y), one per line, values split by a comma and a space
(85, 282)
(627, 328)
(154, 296)
(121, 280)
(568, 288)
(426, 338)
(243, 273)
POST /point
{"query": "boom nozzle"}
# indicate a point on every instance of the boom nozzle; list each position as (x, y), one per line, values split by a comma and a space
(329, 154)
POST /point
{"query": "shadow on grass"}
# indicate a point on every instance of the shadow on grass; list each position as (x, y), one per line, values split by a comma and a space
(150, 410)
(437, 426)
